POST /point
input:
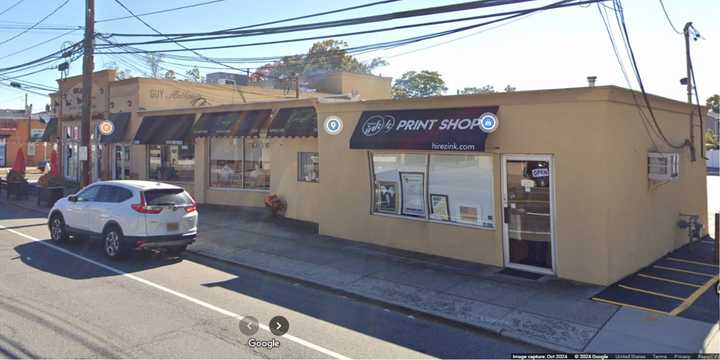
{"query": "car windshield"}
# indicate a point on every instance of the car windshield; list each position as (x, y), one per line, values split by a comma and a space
(167, 197)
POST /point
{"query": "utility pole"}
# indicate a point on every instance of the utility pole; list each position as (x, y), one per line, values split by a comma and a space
(686, 33)
(28, 112)
(88, 67)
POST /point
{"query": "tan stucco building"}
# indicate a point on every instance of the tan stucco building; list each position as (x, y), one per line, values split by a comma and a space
(550, 181)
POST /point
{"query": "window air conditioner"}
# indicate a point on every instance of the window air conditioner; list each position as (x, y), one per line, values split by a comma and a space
(663, 166)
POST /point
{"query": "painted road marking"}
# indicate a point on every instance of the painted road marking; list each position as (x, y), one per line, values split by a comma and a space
(651, 292)
(681, 270)
(176, 293)
(691, 262)
(668, 280)
(694, 296)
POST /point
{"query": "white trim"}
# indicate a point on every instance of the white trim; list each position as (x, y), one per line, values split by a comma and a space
(504, 201)
(237, 189)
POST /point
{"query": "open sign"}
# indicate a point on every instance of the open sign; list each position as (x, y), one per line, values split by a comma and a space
(106, 128)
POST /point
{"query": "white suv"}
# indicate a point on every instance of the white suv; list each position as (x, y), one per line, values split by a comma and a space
(127, 215)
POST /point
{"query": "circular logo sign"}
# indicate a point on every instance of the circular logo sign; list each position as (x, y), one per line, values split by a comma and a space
(488, 122)
(333, 125)
(106, 128)
(378, 124)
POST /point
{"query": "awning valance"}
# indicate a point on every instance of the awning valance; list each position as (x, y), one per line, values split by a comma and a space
(448, 129)
(50, 132)
(120, 124)
(165, 129)
(231, 123)
(293, 122)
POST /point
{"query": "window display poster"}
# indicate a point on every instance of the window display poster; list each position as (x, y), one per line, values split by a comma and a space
(439, 207)
(387, 196)
(413, 193)
(469, 214)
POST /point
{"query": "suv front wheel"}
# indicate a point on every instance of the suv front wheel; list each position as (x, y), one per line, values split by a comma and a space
(115, 247)
(58, 233)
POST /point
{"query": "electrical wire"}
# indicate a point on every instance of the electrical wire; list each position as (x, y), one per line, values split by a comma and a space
(36, 24)
(511, 14)
(645, 121)
(11, 7)
(160, 11)
(38, 44)
(620, 15)
(344, 22)
(667, 16)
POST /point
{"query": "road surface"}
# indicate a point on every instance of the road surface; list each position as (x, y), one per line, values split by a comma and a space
(68, 301)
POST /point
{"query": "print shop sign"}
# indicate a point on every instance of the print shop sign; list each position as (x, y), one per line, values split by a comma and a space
(449, 129)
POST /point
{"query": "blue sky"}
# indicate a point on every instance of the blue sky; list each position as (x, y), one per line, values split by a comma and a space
(552, 49)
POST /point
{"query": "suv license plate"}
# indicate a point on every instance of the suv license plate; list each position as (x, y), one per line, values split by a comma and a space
(173, 226)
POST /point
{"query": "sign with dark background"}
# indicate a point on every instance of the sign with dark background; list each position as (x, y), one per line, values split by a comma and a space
(448, 129)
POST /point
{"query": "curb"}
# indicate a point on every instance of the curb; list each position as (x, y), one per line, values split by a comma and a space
(398, 307)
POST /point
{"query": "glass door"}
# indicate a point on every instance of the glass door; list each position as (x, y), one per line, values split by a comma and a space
(528, 212)
(2, 151)
(121, 162)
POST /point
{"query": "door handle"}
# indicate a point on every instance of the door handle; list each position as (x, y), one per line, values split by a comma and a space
(506, 215)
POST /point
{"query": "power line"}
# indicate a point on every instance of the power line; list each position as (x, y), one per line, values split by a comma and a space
(621, 18)
(160, 11)
(11, 7)
(38, 44)
(668, 18)
(36, 24)
(645, 121)
(512, 14)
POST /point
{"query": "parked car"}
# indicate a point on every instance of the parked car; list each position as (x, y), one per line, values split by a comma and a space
(42, 165)
(127, 215)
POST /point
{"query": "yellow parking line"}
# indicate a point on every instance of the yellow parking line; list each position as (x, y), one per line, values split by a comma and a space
(694, 296)
(652, 292)
(681, 270)
(668, 280)
(692, 262)
(630, 306)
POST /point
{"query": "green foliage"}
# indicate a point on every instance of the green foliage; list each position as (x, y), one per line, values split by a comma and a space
(322, 57)
(712, 140)
(419, 84)
(194, 74)
(487, 89)
(713, 103)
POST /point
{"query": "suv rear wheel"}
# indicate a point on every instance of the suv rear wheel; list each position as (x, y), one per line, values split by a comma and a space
(115, 247)
(58, 232)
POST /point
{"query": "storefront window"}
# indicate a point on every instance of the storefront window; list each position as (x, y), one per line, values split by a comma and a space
(308, 167)
(240, 163)
(451, 188)
(226, 162)
(460, 189)
(399, 184)
(257, 164)
(171, 162)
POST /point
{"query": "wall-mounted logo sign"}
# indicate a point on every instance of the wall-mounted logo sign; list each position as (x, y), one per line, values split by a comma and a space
(488, 122)
(106, 128)
(448, 129)
(333, 125)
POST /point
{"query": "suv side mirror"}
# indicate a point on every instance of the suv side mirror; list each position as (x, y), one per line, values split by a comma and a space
(73, 198)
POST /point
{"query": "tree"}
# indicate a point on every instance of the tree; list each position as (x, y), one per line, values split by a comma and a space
(123, 74)
(154, 60)
(322, 57)
(713, 103)
(419, 84)
(510, 88)
(194, 74)
(169, 75)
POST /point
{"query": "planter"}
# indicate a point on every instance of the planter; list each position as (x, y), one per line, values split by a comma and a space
(50, 195)
(19, 189)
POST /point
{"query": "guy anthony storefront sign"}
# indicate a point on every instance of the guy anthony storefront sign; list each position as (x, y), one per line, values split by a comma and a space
(448, 129)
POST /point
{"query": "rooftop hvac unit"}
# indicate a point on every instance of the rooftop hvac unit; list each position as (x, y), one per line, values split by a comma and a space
(663, 166)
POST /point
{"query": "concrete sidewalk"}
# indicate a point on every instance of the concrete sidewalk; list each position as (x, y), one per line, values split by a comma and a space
(552, 313)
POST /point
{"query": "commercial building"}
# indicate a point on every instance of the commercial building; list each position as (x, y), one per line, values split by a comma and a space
(569, 182)
(20, 131)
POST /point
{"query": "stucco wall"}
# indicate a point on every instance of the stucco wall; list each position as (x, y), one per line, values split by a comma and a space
(302, 198)
(642, 215)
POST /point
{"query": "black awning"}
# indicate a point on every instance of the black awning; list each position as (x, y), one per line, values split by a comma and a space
(120, 123)
(449, 129)
(165, 129)
(231, 123)
(50, 132)
(292, 122)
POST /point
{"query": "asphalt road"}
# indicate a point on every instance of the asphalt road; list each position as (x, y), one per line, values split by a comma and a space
(68, 301)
